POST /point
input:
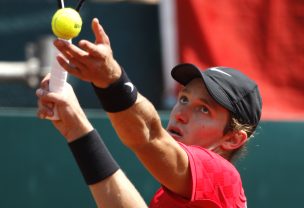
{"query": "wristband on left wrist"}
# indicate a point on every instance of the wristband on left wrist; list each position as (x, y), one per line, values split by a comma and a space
(93, 158)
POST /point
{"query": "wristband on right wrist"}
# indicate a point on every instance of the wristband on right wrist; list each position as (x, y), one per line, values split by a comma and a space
(119, 96)
(93, 157)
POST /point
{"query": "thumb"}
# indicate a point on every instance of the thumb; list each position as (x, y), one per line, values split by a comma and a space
(100, 35)
(49, 97)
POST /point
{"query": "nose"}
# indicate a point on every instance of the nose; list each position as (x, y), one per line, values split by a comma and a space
(182, 115)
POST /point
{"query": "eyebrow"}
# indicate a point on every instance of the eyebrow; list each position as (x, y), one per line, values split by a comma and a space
(207, 102)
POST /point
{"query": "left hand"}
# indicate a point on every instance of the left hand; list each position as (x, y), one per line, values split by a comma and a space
(73, 122)
(93, 62)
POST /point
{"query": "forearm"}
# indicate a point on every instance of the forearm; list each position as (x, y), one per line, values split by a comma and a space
(138, 125)
(116, 191)
(74, 132)
(108, 185)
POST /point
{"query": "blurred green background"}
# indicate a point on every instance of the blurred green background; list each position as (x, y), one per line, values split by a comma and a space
(37, 168)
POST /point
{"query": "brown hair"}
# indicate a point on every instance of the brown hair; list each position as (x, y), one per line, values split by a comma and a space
(234, 124)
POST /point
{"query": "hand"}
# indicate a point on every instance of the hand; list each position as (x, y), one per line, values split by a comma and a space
(91, 62)
(73, 122)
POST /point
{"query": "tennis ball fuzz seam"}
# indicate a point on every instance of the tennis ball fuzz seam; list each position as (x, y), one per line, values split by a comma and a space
(66, 23)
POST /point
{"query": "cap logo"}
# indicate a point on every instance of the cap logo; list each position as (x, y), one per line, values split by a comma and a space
(220, 71)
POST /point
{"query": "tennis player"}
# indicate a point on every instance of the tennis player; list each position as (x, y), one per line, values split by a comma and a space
(216, 113)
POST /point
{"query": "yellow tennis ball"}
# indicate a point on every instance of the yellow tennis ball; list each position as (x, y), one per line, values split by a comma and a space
(66, 23)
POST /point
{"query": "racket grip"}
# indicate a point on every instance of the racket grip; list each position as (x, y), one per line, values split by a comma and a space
(57, 82)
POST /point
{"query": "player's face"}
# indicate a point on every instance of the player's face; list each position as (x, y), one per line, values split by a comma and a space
(197, 119)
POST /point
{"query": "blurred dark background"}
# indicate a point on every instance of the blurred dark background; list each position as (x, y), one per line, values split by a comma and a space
(132, 27)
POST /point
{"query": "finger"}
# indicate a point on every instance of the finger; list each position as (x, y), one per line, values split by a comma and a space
(75, 68)
(91, 48)
(69, 50)
(77, 65)
(44, 111)
(44, 84)
(79, 59)
(43, 104)
(83, 66)
(46, 106)
(100, 35)
(68, 67)
(65, 50)
(40, 114)
(39, 93)
(46, 97)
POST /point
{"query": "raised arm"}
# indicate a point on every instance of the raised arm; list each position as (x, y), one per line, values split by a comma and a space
(138, 126)
(108, 184)
(158, 151)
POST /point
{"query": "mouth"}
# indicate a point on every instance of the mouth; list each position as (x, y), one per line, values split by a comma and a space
(176, 133)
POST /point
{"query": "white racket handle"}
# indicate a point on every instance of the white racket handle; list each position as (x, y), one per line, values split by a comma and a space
(57, 81)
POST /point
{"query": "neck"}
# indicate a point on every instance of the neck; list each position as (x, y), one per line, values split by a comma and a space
(224, 153)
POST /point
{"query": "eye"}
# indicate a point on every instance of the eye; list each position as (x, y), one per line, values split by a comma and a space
(183, 100)
(204, 109)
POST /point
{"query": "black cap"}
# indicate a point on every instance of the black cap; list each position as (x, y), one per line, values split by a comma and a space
(228, 87)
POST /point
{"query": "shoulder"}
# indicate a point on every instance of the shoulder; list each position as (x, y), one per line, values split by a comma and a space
(207, 164)
(207, 159)
(212, 174)
(215, 183)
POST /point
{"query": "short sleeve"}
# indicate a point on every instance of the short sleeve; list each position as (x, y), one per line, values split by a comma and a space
(214, 178)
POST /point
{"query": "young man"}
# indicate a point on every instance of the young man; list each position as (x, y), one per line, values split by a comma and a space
(216, 112)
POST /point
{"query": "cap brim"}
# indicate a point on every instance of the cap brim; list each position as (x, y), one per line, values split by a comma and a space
(184, 73)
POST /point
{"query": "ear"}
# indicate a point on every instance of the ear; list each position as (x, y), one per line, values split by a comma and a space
(234, 140)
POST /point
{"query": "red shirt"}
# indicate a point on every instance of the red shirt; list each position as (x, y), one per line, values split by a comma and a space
(215, 184)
